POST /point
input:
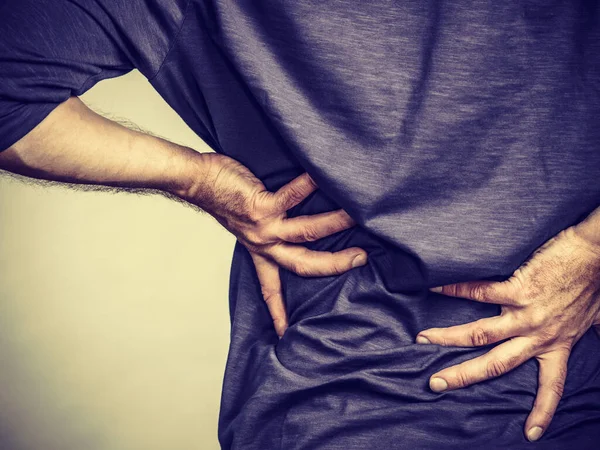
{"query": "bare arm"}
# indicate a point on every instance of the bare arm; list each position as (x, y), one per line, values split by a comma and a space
(75, 145)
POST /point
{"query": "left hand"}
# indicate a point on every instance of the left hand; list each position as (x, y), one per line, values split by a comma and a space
(547, 305)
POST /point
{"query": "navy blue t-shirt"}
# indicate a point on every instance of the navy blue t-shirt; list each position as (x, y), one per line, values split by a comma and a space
(461, 136)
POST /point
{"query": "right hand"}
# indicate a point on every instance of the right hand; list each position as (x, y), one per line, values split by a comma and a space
(258, 219)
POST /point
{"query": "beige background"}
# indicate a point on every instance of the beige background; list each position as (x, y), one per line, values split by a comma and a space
(114, 320)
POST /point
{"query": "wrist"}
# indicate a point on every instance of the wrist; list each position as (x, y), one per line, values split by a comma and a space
(190, 176)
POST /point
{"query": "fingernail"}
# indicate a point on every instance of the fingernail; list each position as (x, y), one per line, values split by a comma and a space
(359, 260)
(438, 384)
(534, 433)
(436, 289)
(422, 340)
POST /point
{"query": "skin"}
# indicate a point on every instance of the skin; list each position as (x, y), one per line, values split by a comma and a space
(257, 217)
(73, 144)
(547, 304)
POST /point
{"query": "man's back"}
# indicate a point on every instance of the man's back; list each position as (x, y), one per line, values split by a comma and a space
(460, 137)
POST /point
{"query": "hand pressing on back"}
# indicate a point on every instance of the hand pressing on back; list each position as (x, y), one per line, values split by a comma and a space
(547, 305)
(257, 217)
(75, 145)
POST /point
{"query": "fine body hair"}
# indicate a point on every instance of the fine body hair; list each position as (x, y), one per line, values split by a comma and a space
(100, 187)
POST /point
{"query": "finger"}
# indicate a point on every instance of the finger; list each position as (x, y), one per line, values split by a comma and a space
(475, 334)
(310, 228)
(270, 285)
(498, 361)
(294, 192)
(310, 263)
(552, 376)
(498, 292)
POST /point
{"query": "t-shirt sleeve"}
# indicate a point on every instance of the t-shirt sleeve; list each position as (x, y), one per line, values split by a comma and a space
(51, 50)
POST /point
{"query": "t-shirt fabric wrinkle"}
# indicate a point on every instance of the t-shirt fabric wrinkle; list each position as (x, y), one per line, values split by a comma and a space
(459, 135)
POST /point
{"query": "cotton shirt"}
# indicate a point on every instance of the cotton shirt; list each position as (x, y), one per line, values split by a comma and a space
(460, 135)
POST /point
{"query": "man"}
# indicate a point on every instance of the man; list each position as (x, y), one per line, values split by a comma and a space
(460, 137)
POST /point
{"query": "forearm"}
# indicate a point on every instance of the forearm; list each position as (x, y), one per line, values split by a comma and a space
(75, 145)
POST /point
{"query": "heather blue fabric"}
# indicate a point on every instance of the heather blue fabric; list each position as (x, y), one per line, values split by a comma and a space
(461, 135)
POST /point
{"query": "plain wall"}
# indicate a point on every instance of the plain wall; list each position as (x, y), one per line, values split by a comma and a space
(114, 322)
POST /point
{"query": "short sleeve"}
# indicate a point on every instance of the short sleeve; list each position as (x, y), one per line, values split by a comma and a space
(51, 50)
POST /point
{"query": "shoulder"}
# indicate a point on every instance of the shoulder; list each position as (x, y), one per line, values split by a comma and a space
(141, 29)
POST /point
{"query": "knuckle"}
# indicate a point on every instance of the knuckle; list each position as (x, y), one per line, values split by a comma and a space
(269, 296)
(292, 195)
(519, 286)
(256, 238)
(309, 233)
(480, 292)
(537, 318)
(453, 289)
(462, 379)
(495, 368)
(479, 337)
(257, 209)
(545, 336)
(557, 387)
(255, 244)
(538, 343)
